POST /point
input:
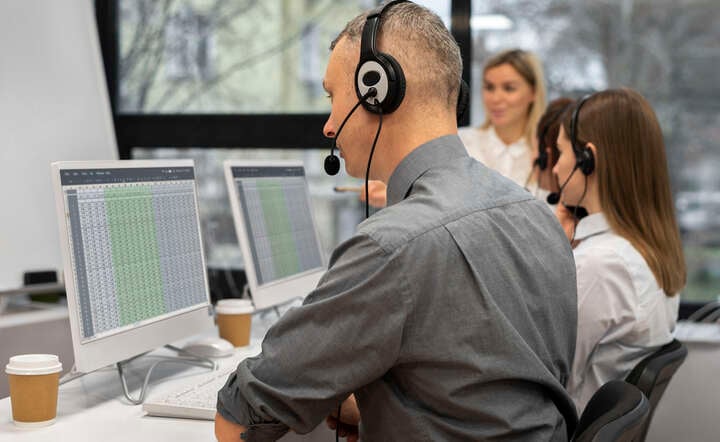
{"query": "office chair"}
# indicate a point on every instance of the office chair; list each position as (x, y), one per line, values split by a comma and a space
(652, 374)
(712, 317)
(615, 413)
(709, 312)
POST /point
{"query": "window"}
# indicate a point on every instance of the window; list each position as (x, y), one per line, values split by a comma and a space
(232, 57)
(665, 50)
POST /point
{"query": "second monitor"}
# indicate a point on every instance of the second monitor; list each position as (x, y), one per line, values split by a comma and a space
(275, 228)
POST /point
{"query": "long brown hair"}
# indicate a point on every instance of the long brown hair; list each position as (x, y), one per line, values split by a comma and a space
(633, 179)
(529, 67)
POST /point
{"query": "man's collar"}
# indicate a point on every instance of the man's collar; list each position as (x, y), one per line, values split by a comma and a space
(591, 225)
(435, 152)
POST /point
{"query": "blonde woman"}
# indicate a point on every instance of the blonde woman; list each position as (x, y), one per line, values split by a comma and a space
(513, 94)
(628, 254)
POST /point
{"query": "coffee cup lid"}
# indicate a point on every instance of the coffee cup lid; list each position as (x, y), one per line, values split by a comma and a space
(234, 306)
(36, 364)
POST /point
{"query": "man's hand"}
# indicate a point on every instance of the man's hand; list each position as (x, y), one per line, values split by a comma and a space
(226, 431)
(377, 191)
(347, 425)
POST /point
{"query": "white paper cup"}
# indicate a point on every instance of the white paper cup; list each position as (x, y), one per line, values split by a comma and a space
(234, 319)
(33, 380)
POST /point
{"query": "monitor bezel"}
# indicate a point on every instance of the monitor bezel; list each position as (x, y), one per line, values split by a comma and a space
(103, 351)
(276, 292)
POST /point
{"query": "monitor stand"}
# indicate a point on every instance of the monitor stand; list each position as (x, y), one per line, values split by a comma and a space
(183, 358)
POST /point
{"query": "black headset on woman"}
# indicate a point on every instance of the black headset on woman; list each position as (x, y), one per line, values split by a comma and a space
(584, 158)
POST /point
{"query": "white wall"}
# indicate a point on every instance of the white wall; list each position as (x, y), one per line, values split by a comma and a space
(53, 106)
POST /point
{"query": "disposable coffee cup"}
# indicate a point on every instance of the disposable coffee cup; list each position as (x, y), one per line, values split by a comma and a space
(234, 319)
(33, 383)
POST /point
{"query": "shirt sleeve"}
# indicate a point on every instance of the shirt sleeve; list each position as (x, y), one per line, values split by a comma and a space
(606, 307)
(346, 334)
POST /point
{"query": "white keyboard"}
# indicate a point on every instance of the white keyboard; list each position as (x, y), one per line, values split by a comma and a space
(193, 401)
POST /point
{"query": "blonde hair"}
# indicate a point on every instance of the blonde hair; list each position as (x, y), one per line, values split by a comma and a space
(633, 179)
(529, 67)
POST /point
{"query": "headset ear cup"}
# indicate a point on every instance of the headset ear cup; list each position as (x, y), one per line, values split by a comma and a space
(463, 100)
(396, 83)
(587, 161)
(542, 160)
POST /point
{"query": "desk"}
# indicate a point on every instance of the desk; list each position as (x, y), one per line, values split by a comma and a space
(93, 408)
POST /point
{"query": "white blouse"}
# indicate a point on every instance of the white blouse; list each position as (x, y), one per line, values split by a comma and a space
(513, 161)
(623, 315)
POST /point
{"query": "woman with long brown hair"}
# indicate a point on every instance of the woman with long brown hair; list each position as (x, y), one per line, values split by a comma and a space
(628, 254)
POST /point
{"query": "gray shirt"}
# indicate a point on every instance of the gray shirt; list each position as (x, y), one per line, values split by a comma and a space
(450, 314)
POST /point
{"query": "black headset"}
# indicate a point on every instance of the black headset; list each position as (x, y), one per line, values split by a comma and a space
(585, 160)
(381, 71)
(378, 70)
(380, 82)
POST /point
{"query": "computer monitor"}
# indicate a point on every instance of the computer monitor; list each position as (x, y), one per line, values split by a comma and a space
(133, 258)
(276, 230)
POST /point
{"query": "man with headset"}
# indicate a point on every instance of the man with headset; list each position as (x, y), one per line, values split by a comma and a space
(451, 313)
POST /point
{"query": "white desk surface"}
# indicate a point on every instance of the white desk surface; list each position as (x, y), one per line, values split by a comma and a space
(93, 408)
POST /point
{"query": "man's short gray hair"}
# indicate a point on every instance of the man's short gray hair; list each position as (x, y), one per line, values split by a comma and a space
(418, 39)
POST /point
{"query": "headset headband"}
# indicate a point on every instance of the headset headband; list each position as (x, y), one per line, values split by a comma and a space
(368, 46)
(574, 123)
(583, 154)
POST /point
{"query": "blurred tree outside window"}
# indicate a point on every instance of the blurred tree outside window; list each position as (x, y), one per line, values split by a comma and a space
(220, 56)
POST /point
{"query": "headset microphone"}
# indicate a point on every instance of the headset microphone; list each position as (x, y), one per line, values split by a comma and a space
(554, 197)
(332, 162)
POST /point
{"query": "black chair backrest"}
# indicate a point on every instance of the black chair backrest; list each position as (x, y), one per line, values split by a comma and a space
(616, 412)
(707, 313)
(652, 375)
(711, 317)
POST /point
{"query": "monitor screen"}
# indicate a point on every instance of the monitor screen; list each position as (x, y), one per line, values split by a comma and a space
(276, 230)
(134, 265)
